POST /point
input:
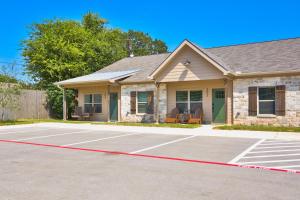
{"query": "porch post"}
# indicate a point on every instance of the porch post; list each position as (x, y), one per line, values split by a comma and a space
(157, 103)
(108, 103)
(65, 110)
(229, 101)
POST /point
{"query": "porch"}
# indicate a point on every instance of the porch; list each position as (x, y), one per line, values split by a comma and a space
(151, 102)
(99, 102)
(213, 96)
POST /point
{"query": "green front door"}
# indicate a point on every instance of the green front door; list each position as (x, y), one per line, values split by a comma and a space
(218, 105)
(113, 106)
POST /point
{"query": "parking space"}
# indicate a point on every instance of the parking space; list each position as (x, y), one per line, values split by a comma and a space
(98, 175)
(130, 143)
(25, 133)
(178, 146)
(282, 154)
(205, 148)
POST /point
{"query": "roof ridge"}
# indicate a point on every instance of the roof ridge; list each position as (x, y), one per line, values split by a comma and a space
(251, 43)
(147, 55)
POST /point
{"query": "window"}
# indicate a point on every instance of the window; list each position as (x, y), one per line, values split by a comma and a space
(188, 101)
(93, 103)
(145, 102)
(266, 100)
(182, 101)
(195, 100)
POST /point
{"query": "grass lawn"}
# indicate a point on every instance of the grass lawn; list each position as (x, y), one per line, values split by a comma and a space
(259, 128)
(149, 124)
(31, 121)
(57, 121)
(7, 123)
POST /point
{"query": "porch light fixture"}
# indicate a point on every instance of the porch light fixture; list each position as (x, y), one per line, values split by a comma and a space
(187, 62)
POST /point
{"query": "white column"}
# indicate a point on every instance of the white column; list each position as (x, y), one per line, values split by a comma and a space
(157, 103)
(65, 110)
(108, 103)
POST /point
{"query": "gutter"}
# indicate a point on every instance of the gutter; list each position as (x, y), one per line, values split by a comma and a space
(237, 74)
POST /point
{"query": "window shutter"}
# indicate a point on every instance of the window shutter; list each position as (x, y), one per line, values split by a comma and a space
(133, 102)
(252, 93)
(150, 102)
(280, 100)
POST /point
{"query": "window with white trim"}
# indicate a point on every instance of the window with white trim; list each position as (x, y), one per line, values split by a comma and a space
(93, 103)
(187, 101)
(266, 100)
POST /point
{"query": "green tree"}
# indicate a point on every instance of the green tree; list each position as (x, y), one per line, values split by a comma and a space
(61, 49)
(141, 44)
(57, 50)
(4, 78)
(93, 22)
(55, 101)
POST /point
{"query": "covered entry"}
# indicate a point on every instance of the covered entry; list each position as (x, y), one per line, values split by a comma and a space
(195, 78)
(99, 92)
(218, 105)
(113, 106)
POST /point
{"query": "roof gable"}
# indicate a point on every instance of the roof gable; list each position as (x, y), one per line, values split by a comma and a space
(187, 65)
(202, 52)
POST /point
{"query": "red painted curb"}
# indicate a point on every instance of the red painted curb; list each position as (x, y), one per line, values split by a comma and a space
(153, 156)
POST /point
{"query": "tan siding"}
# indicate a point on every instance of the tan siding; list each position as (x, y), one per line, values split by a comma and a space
(205, 86)
(99, 90)
(199, 69)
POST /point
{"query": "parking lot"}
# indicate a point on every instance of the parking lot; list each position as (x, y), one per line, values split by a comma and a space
(68, 163)
(281, 154)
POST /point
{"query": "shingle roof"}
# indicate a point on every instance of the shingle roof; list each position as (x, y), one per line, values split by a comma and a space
(269, 57)
(272, 56)
(214, 57)
(98, 77)
(145, 64)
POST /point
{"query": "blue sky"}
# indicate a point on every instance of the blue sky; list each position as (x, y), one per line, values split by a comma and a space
(207, 23)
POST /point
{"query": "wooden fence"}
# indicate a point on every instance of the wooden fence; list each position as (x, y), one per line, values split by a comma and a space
(32, 105)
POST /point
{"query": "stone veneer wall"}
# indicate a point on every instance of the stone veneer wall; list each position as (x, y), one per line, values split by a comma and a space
(126, 116)
(240, 101)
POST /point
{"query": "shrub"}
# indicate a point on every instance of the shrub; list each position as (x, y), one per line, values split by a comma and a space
(55, 101)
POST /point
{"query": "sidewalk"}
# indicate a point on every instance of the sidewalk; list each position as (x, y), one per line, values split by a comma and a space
(204, 130)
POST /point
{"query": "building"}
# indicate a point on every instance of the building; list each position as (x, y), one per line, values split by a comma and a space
(255, 83)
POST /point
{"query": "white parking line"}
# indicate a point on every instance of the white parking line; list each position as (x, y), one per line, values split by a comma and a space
(270, 156)
(163, 144)
(277, 147)
(276, 140)
(100, 139)
(270, 161)
(286, 167)
(273, 144)
(23, 131)
(284, 150)
(47, 136)
(238, 157)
